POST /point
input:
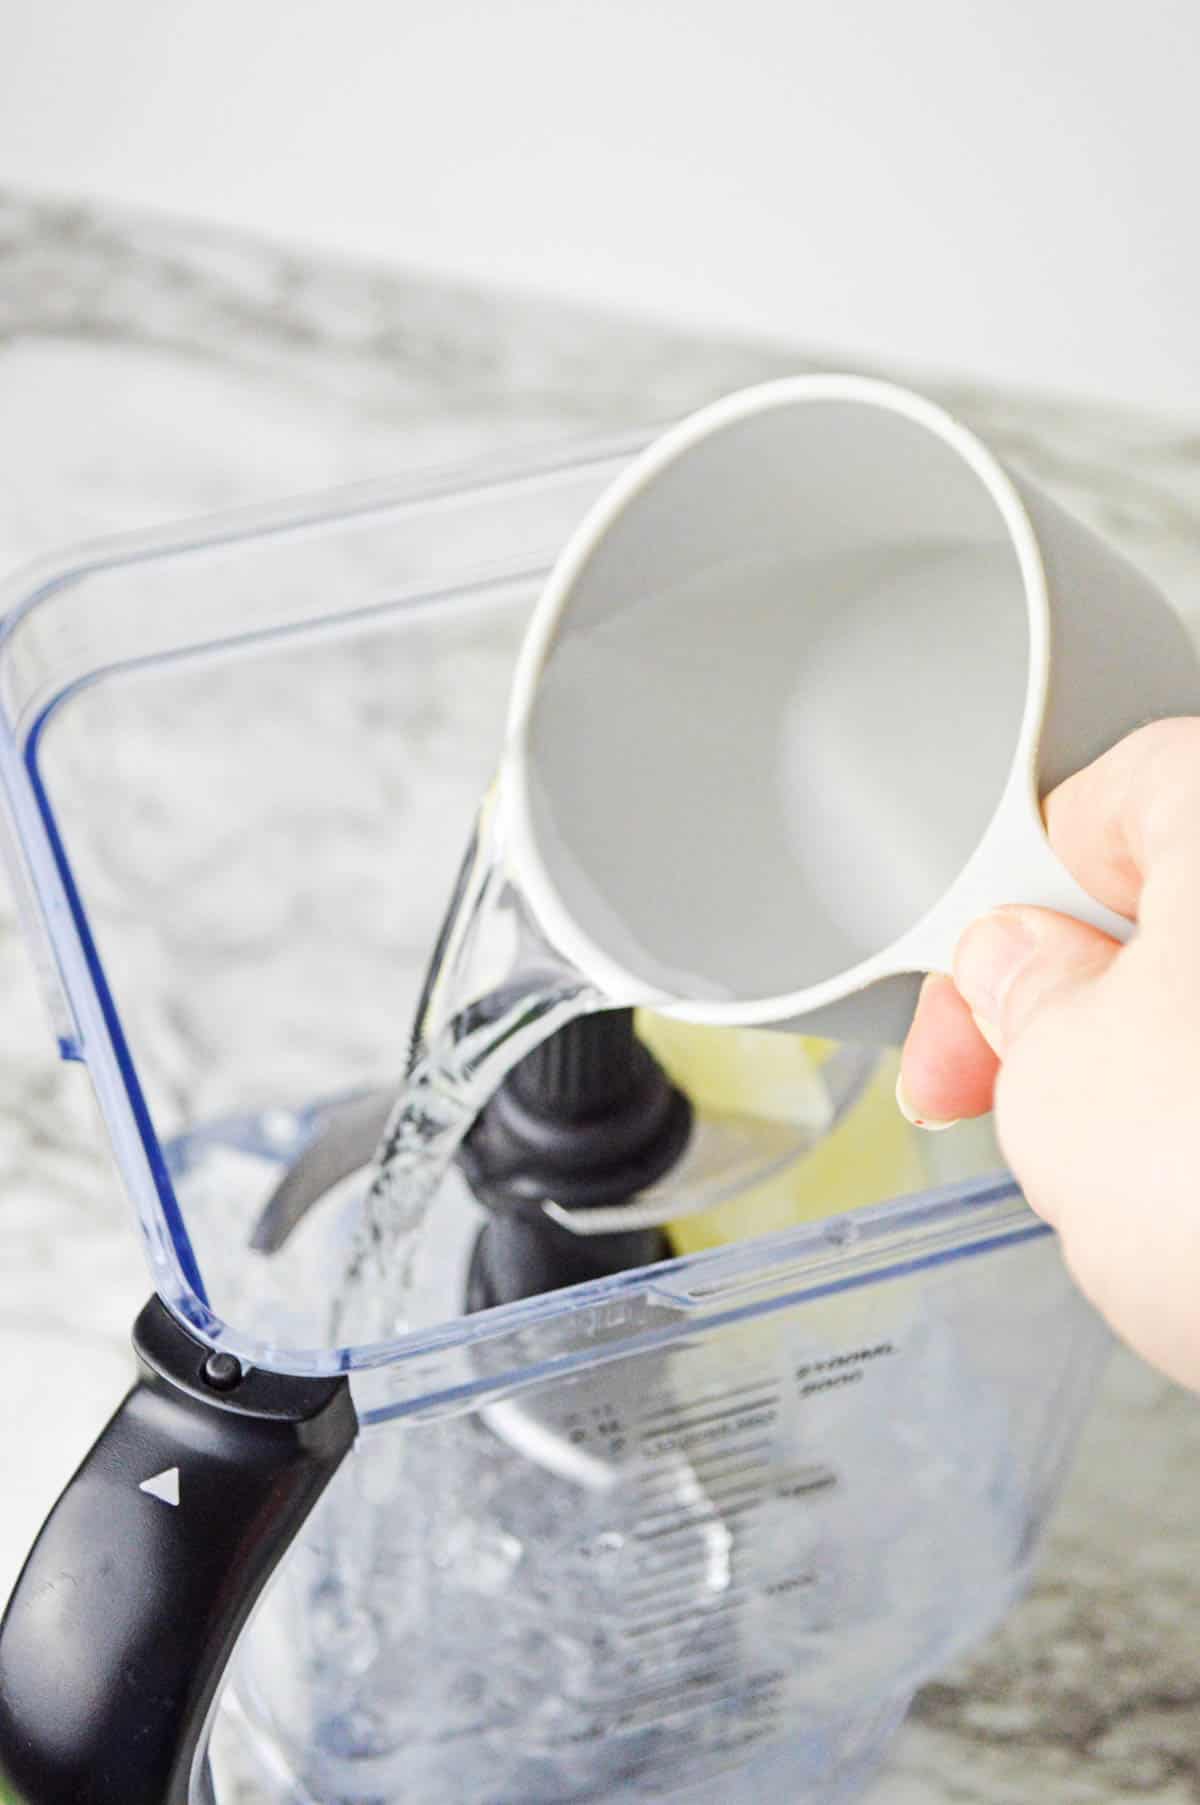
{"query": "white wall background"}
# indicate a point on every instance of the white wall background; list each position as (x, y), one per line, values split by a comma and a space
(1007, 187)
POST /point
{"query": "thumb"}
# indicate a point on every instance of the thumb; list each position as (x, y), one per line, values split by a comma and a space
(1013, 964)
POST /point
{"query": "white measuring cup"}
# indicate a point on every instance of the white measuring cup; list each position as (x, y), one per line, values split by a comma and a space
(791, 697)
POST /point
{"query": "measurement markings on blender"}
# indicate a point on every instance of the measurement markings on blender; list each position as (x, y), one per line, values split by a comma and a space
(664, 1636)
(733, 1397)
(712, 1500)
(661, 1524)
(649, 1705)
(806, 1482)
(649, 1604)
(655, 1626)
(717, 1418)
(667, 1569)
(729, 1463)
(839, 1369)
(701, 1401)
(727, 1436)
(665, 1593)
(710, 1681)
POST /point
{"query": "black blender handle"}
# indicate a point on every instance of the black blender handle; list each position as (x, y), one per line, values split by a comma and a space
(122, 1623)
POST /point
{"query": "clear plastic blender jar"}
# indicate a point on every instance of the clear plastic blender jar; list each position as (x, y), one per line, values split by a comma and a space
(686, 1531)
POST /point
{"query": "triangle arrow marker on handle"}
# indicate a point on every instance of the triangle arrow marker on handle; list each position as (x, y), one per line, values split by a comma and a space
(164, 1486)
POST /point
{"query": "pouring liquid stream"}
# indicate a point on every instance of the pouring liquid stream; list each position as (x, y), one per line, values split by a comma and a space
(494, 991)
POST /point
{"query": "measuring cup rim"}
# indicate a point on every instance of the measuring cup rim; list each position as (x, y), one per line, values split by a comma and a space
(520, 839)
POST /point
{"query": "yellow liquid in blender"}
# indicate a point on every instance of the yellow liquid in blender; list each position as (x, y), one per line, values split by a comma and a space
(872, 1154)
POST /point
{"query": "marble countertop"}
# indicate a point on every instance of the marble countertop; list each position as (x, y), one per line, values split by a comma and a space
(148, 372)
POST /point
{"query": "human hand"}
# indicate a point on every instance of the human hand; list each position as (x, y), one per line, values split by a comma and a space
(1088, 1051)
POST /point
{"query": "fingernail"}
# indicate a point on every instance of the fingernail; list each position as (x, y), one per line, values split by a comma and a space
(990, 955)
(931, 1124)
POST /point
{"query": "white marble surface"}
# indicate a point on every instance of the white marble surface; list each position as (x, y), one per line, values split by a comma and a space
(148, 373)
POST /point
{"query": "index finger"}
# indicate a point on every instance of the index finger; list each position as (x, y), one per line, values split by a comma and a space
(1112, 821)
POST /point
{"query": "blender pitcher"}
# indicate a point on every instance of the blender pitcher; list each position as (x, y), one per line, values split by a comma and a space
(693, 1527)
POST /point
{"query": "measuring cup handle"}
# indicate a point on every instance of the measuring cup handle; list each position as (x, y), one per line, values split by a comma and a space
(122, 1623)
(1014, 863)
